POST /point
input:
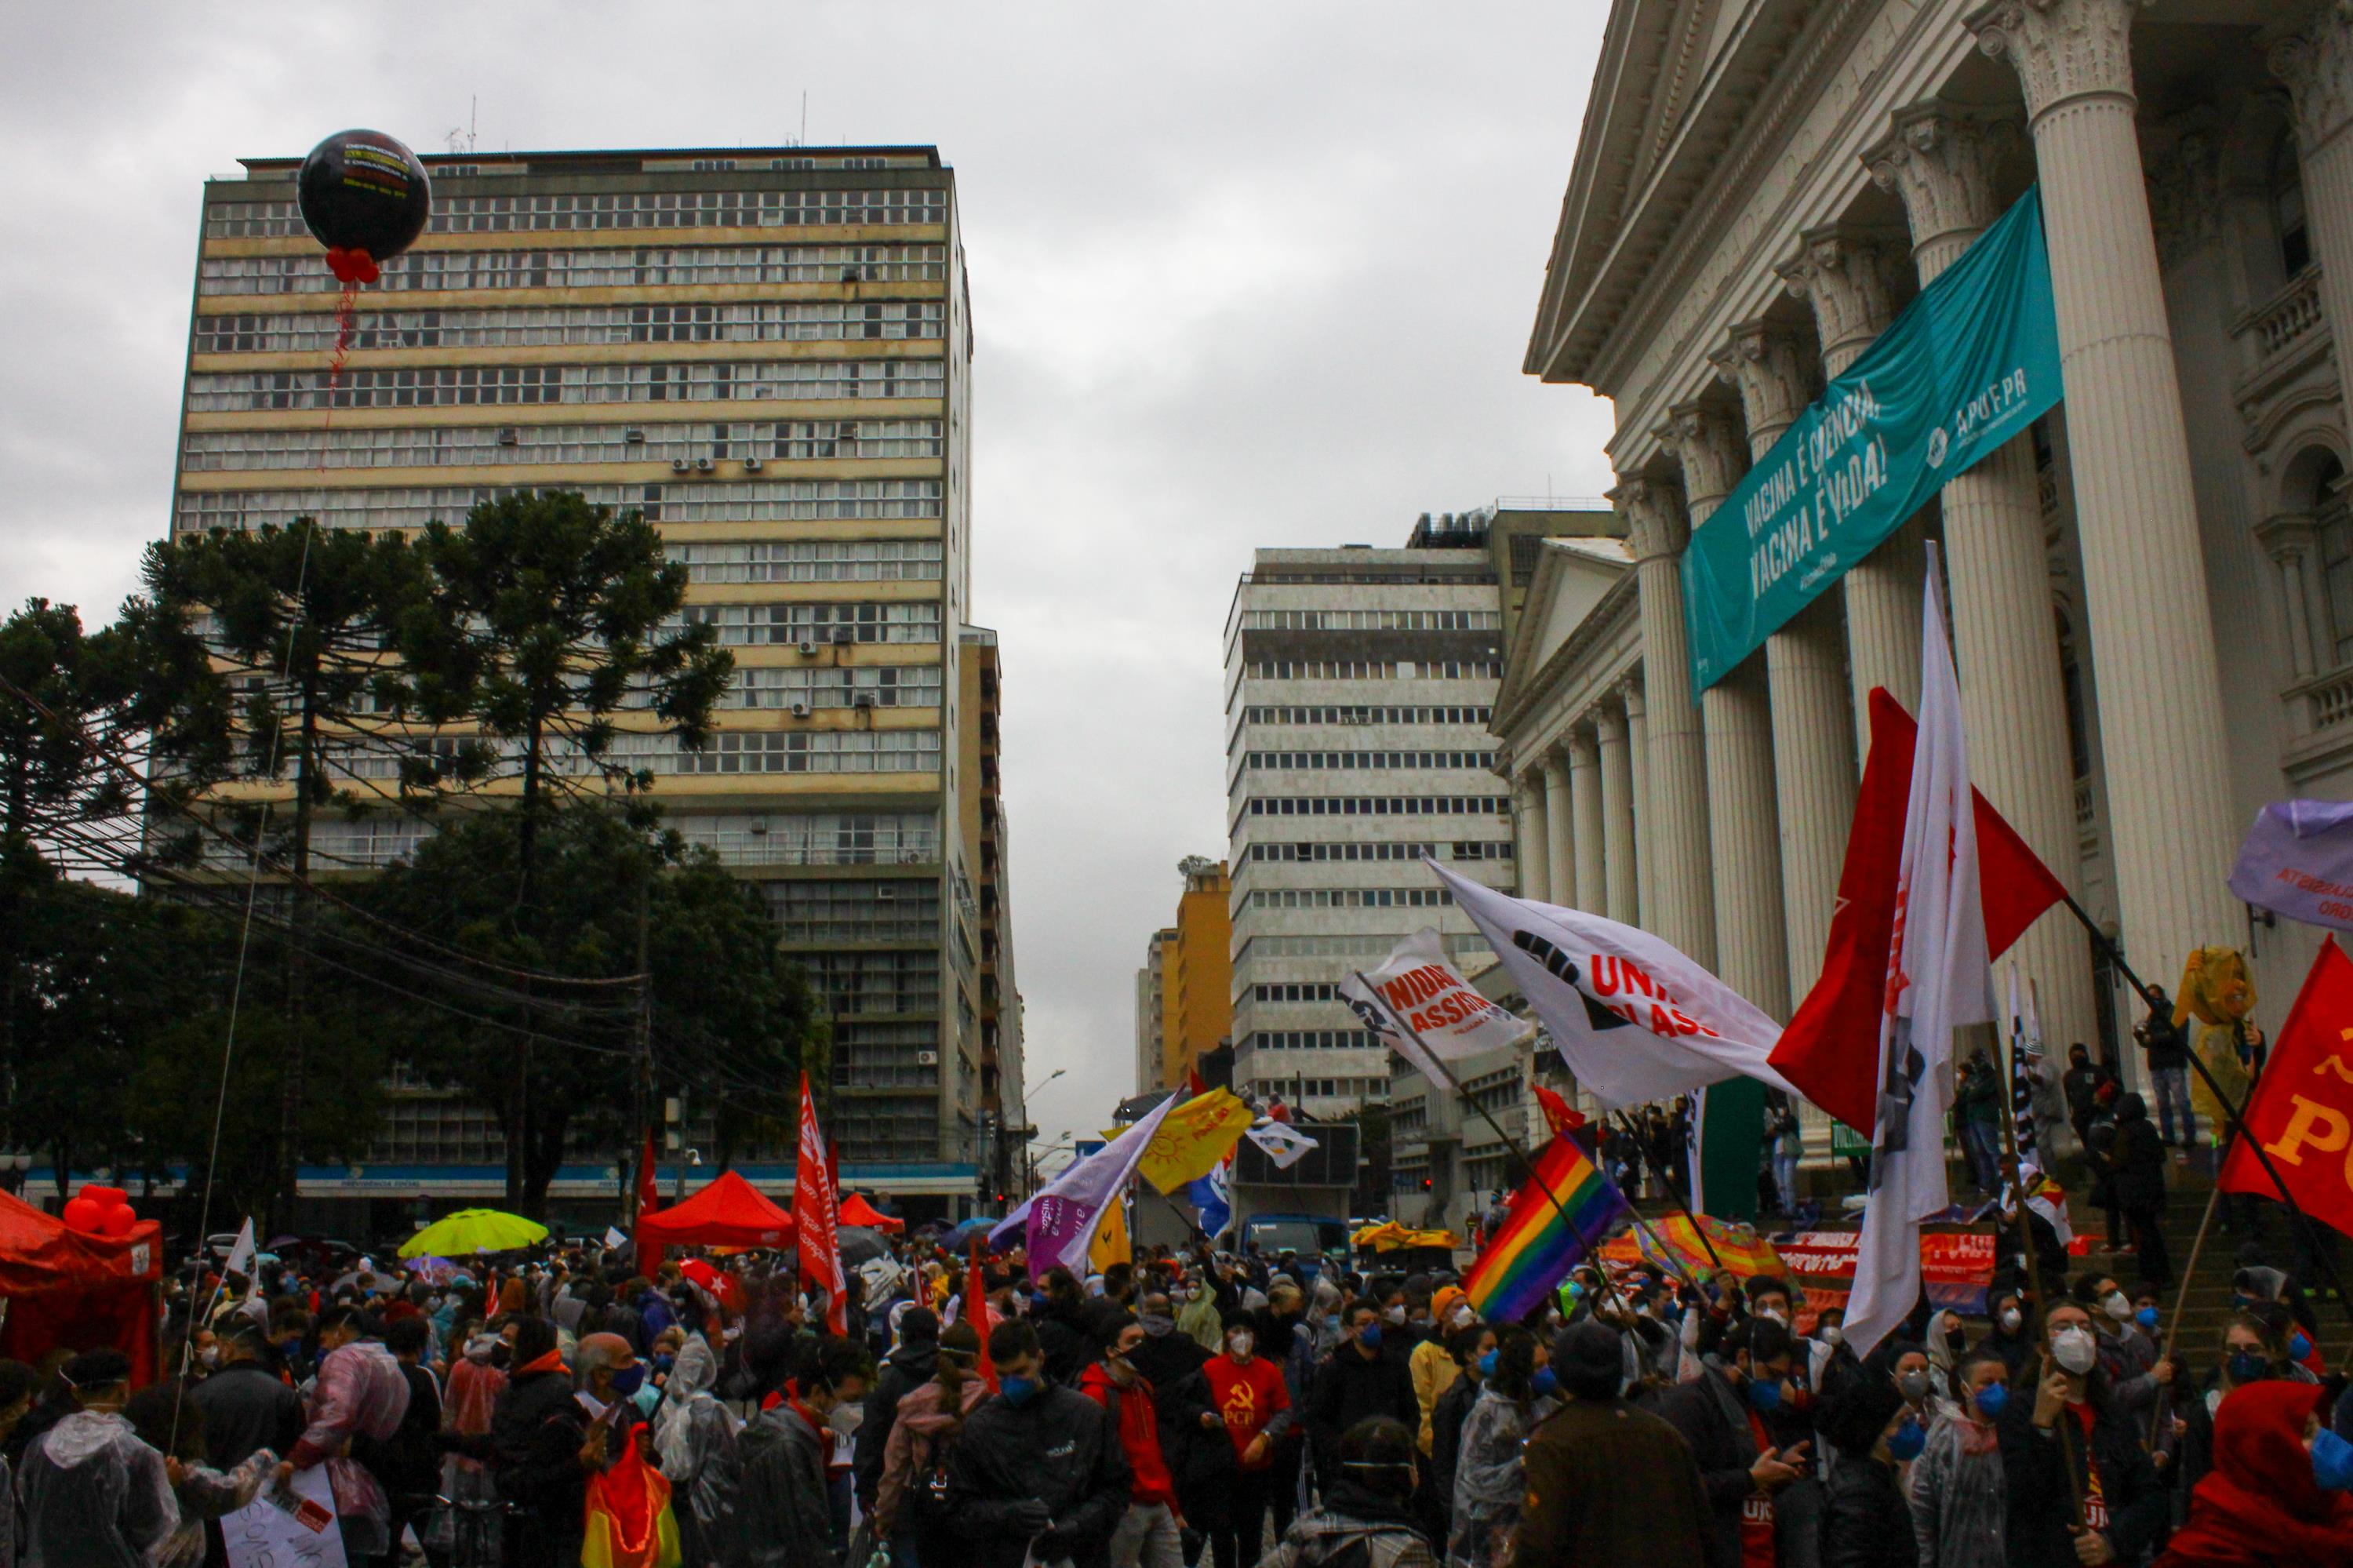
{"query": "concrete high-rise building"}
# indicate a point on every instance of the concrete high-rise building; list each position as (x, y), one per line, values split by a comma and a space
(1359, 685)
(767, 350)
(1184, 1006)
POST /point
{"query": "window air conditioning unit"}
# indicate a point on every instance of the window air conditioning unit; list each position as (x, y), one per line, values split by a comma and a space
(809, 648)
(862, 700)
(634, 436)
(509, 436)
(678, 465)
(752, 465)
(702, 465)
(927, 1058)
(843, 636)
(800, 710)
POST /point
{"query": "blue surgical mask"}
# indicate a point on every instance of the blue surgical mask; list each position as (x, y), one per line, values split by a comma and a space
(1369, 1336)
(2146, 1317)
(1017, 1390)
(2298, 1346)
(663, 1363)
(627, 1380)
(1487, 1365)
(2332, 1462)
(1908, 1440)
(1544, 1383)
(1764, 1395)
(2246, 1366)
(1992, 1400)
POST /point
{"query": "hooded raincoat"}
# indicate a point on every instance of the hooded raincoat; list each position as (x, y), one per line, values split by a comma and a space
(94, 1496)
(694, 1442)
(361, 1392)
(1488, 1481)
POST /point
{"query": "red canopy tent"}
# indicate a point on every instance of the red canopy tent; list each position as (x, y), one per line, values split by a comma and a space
(62, 1286)
(730, 1212)
(857, 1211)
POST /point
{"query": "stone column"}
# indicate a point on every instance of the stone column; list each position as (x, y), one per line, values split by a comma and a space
(2159, 692)
(1637, 759)
(1584, 800)
(1560, 859)
(1805, 664)
(1844, 273)
(1676, 901)
(2316, 60)
(1617, 813)
(2289, 539)
(1752, 952)
(1529, 844)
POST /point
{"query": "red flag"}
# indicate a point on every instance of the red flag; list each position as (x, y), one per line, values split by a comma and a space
(649, 1259)
(2301, 1109)
(814, 1211)
(1558, 1114)
(976, 1312)
(1195, 1084)
(1830, 1050)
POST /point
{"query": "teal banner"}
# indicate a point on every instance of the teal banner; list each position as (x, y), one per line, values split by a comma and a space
(1970, 363)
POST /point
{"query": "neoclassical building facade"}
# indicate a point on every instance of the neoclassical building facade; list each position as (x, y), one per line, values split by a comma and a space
(2151, 592)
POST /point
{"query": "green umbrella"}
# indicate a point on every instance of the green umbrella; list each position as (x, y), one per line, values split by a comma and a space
(472, 1231)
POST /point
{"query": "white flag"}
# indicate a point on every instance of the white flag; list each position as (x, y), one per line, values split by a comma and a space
(1065, 1214)
(1937, 982)
(1417, 991)
(1284, 1145)
(240, 1254)
(1635, 1020)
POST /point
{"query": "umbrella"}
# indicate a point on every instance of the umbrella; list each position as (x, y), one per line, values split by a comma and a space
(860, 1245)
(473, 1230)
(972, 1230)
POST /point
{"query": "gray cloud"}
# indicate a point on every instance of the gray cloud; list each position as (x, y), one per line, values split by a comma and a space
(1241, 275)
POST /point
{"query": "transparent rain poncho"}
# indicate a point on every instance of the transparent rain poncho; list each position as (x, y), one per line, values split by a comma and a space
(694, 1441)
(1489, 1489)
(94, 1496)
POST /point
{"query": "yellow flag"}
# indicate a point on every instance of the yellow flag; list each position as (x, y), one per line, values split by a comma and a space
(1193, 1138)
(1109, 1244)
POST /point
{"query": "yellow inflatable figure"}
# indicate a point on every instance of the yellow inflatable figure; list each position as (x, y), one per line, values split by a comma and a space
(2217, 990)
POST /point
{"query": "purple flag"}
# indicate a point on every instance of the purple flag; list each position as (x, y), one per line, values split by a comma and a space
(2298, 859)
(1063, 1216)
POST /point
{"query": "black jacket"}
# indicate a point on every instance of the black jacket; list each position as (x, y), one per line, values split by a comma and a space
(2166, 1042)
(1066, 1337)
(247, 1408)
(781, 1509)
(1709, 1415)
(2036, 1471)
(1350, 1388)
(2136, 1162)
(904, 1369)
(1446, 1421)
(408, 1463)
(1059, 1447)
(1866, 1522)
(536, 1431)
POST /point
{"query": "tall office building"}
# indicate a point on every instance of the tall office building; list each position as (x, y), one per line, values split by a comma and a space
(1359, 684)
(1184, 1002)
(767, 352)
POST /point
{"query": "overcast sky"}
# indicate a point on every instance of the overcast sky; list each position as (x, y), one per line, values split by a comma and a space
(1243, 275)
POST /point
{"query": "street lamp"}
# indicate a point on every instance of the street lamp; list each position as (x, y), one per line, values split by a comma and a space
(1030, 1089)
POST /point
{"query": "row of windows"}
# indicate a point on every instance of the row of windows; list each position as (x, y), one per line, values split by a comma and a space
(812, 560)
(616, 209)
(638, 268)
(791, 751)
(882, 1129)
(1375, 669)
(864, 909)
(1297, 990)
(1364, 713)
(465, 385)
(1323, 1088)
(876, 983)
(1350, 898)
(886, 1055)
(836, 686)
(1367, 945)
(1312, 1040)
(1466, 848)
(442, 446)
(1372, 620)
(752, 625)
(1316, 761)
(815, 838)
(749, 501)
(771, 321)
(1376, 805)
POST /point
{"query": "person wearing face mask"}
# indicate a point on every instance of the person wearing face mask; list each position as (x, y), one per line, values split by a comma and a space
(93, 1495)
(2252, 1352)
(2278, 1493)
(1199, 1318)
(1148, 1535)
(1957, 1491)
(1365, 1520)
(1467, 1347)
(2135, 1164)
(1722, 1415)
(2011, 1338)
(782, 1511)
(2073, 1427)
(1430, 1365)
(247, 1406)
(906, 1369)
(360, 1394)
(408, 1463)
(1865, 1523)
(1517, 1389)
(1040, 1474)
(2128, 1353)
(1358, 1381)
(1252, 1403)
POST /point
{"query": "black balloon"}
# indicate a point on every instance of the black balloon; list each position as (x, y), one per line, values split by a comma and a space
(366, 197)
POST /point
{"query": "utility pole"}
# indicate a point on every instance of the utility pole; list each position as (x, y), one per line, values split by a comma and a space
(645, 1117)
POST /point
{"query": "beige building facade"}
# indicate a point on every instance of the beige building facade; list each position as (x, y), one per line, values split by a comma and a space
(2151, 593)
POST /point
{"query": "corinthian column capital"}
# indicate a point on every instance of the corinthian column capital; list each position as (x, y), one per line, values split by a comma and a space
(1847, 275)
(1702, 439)
(1654, 517)
(1940, 159)
(2316, 61)
(1767, 363)
(2062, 50)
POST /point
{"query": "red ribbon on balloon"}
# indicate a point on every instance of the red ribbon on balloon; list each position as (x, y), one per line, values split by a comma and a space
(352, 266)
(99, 1211)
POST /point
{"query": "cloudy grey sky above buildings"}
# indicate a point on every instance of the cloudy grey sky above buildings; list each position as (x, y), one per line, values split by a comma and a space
(1243, 275)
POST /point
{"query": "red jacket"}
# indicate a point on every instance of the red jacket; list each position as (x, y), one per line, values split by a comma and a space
(1139, 1433)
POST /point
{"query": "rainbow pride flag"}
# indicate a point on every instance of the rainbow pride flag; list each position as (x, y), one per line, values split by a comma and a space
(1552, 1222)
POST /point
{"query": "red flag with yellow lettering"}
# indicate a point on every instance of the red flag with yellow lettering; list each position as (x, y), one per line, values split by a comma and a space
(2301, 1111)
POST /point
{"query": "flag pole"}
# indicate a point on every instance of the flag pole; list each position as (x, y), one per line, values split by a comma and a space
(2298, 1220)
(2033, 1271)
(2181, 1296)
(1509, 1142)
(1674, 1191)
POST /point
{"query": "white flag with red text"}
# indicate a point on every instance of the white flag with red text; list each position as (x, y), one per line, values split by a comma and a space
(1416, 992)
